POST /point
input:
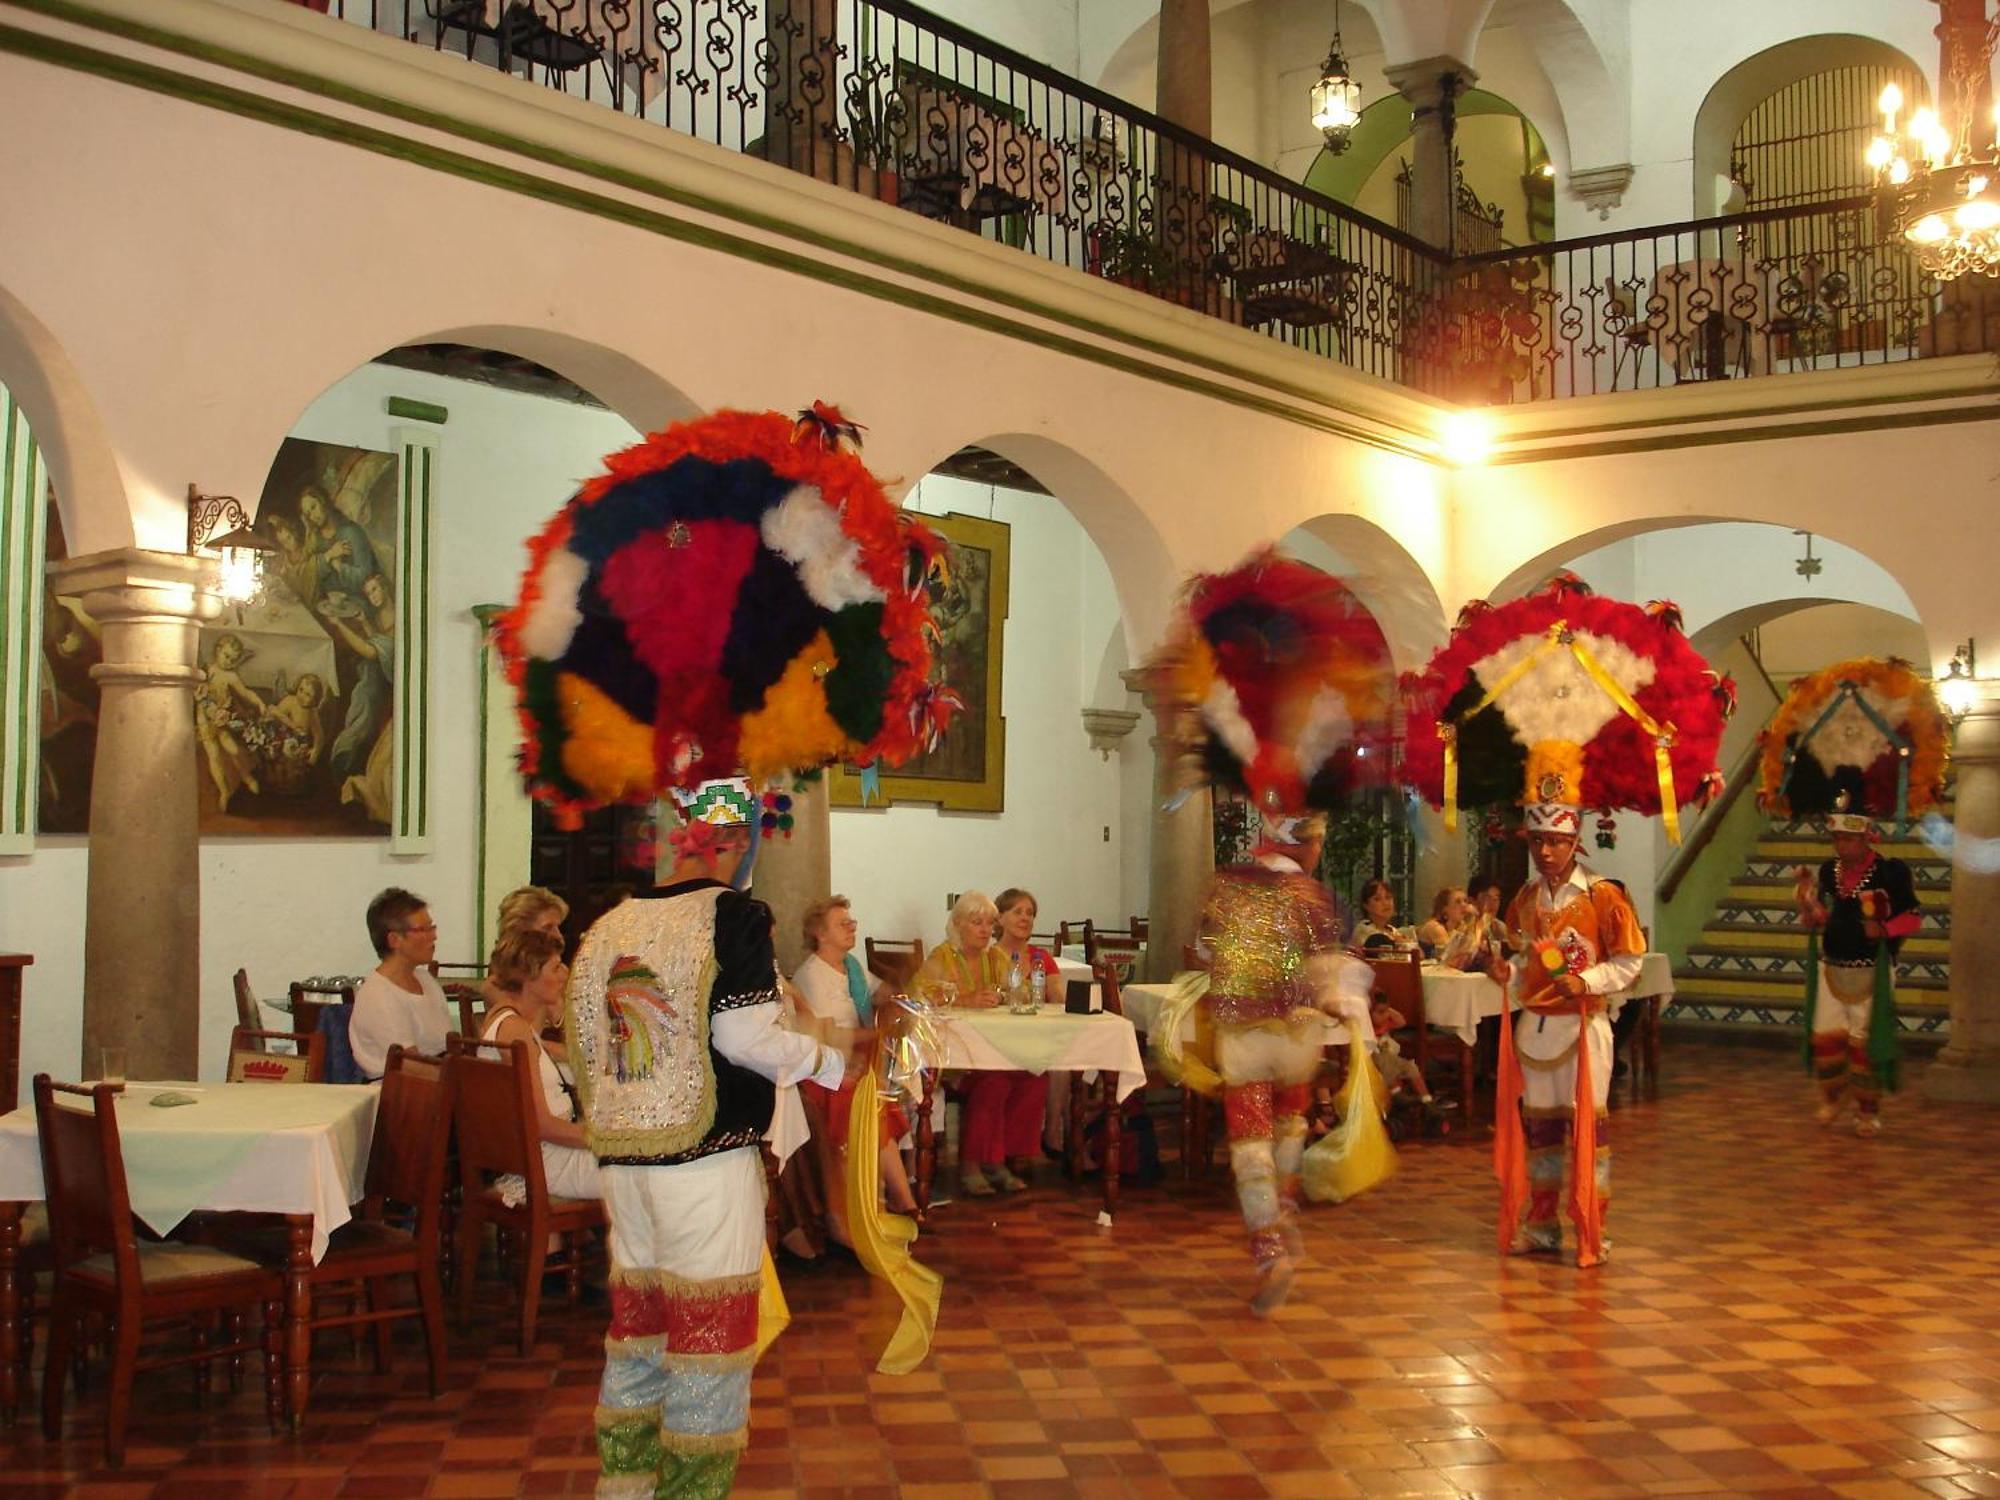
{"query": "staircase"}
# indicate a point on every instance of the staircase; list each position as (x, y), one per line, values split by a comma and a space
(1746, 973)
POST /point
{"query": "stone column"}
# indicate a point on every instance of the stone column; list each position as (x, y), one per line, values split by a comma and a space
(1181, 854)
(793, 873)
(1183, 81)
(1431, 84)
(142, 914)
(1968, 1069)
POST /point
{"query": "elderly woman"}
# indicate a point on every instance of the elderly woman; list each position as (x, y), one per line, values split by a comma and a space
(1003, 1110)
(528, 974)
(834, 991)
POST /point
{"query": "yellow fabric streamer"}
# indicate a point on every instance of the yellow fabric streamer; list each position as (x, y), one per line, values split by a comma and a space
(773, 1313)
(1663, 737)
(1449, 734)
(1189, 1068)
(1356, 1155)
(882, 1241)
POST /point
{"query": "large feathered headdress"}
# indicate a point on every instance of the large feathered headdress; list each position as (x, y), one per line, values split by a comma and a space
(735, 592)
(1277, 682)
(1565, 701)
(1857, 740)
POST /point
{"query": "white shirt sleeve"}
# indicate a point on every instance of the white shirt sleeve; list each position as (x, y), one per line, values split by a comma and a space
(1610, 975)
(1345, 987)
(751, 1037)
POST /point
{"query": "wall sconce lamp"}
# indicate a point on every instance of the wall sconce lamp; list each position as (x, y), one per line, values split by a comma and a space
(1956, 692)
(240, 549)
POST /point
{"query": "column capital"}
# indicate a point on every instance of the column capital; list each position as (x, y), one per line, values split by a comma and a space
(1422, 81)
(149, 606)
(1976, 737)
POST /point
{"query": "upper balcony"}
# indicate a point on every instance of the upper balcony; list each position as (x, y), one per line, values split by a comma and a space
(885, 100)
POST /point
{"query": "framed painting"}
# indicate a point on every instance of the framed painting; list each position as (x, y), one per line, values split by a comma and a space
(968, 770)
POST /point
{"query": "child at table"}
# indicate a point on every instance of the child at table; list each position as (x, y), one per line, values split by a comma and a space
(1396, 1069)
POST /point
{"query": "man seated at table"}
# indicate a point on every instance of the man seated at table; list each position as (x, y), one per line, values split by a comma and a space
(401, 1002)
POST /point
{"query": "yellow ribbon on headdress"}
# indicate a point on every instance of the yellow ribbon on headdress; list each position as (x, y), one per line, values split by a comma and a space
(1559, 634)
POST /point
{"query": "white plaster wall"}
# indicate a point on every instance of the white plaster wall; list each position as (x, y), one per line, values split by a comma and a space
(1809, 639)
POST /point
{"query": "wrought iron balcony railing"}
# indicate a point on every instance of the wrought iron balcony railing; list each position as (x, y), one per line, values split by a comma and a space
(885, 100)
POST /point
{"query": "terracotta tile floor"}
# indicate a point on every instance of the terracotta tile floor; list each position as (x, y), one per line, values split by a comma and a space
(1788, 1313)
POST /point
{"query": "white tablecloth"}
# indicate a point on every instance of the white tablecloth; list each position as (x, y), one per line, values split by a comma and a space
(992, 1039)
(280, 1148)
(1456, 1001)
(1142, 1004)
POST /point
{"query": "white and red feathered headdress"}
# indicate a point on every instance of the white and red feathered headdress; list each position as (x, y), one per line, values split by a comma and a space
(1277, 682)
(1565, 701)
(1858, 740)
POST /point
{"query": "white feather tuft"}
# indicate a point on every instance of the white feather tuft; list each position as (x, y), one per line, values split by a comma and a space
(1328, 726)
(805, 530)
(546, 631)
(1848, 738)
(1556, 699)
(1222, 712)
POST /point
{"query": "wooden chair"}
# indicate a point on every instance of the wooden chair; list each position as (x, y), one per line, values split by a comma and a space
(894, 961)
(494, 1110)
(1120, 951)
(251, 1059)
(102, 1268)
(1142, 929)
(1191, 957)
(248, 1013)
(461, 983)
(1068, 933)
(1399, 982)
(398, 1227)
(310, 997)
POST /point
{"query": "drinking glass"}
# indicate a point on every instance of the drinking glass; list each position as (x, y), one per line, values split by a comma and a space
(113, 1069)
(945, 996)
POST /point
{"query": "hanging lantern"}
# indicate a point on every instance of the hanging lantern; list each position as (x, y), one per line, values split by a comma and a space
(1336, 98)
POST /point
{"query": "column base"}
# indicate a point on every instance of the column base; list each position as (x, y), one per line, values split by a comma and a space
(1959, 1076)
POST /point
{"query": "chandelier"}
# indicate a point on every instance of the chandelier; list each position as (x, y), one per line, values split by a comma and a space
(1939, 178)
(1336, 98)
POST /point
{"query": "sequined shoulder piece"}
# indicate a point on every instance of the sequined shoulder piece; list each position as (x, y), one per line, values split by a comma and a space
(637, 1021)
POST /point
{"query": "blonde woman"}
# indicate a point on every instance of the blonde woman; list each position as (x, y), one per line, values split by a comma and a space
(528, 974)
(1001, 1108)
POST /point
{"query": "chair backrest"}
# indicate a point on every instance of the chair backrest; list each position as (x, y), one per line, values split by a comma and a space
(338, 1065)
(1142, 929)
(1068, 933)
(1191, 957)
(1121, 951)
(493, 1111)
(1399, 982)
(470, 1000)
(83, 1175)
(251, 1059)
(246, 1001)
(412, 1125)
(1107, 984)
(894, 960)
(327, 992)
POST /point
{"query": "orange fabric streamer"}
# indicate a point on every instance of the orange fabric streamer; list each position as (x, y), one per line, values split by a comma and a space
(1510, 1144)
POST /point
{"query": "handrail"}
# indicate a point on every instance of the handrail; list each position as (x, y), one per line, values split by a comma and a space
(1670, 231)
(1740, 776)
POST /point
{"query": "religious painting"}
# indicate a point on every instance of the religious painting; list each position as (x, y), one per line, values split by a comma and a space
(967, 772)
(293, 722)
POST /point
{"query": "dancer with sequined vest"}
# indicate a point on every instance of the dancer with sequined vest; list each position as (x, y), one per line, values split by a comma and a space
(674, 1026)
(1276, 683)
(1858, 741)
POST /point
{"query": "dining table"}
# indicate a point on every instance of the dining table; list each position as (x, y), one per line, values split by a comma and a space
(1100, 1047)
(295, 1151)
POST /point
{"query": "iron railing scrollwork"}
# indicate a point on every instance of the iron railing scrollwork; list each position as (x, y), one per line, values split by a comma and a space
(883, 99)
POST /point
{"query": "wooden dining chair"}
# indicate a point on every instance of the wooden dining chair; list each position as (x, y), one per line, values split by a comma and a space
(398, 1227)
(1070, 934)
(251, 1059)
(1142, 929)
(103, 1269)
(249, 1014)
(494, 1114)
(311, 996)
(1120, 951)
(894, 961)
(1399, 982)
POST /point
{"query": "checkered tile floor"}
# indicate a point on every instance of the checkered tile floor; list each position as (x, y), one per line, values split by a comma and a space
(1788, 1312)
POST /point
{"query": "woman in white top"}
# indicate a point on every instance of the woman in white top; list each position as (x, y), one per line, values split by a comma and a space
(1377, 930)
(401, 1002)
(528, 973)
(836, 995)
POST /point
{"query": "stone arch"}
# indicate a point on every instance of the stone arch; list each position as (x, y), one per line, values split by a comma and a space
(82, 461)
(1141, 565)
(1755, 78)
(1383, 575)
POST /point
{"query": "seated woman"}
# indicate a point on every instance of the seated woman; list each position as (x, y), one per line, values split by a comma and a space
(1453, 935)
(1036, 968)
(1485, 895)
(529, 908)
(1377, 930)
(1000, 1107)
(528, 974)
(835, 994)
